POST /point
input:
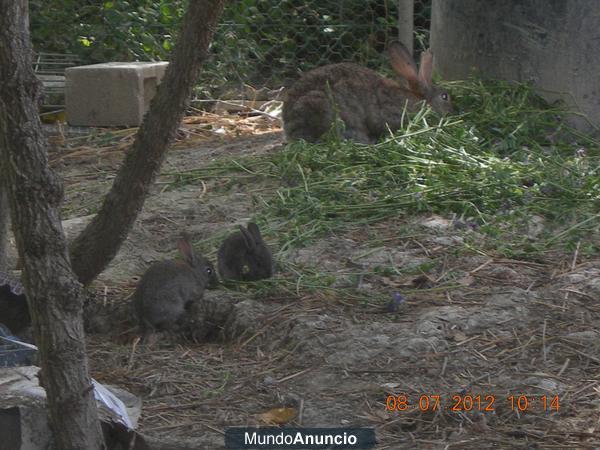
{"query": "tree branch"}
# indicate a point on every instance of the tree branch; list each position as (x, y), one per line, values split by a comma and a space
(99, 242)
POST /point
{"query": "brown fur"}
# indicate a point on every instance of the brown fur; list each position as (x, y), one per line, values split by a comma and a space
(244, 256)
(366, 102)
(168, 289)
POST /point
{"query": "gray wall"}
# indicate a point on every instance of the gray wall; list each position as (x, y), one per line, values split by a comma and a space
(553, 43)
(406, 23)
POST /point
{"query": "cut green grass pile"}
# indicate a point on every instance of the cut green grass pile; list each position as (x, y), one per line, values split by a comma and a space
(508, 160)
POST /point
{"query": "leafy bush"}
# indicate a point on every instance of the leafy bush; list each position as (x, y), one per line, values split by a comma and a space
(258, 42)
(99, 31)
(508, 162)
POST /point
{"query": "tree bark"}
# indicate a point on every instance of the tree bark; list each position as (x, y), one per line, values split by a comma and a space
(34, 194)
(99, 242)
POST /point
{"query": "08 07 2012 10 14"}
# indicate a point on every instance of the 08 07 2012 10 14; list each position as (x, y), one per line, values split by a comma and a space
(472, 402)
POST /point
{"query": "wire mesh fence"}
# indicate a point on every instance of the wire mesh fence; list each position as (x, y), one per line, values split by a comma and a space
(269, 43)
(260, 45)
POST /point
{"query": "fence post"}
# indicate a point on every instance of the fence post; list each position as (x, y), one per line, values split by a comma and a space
(406, 23)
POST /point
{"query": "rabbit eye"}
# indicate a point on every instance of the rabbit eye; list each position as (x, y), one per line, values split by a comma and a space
(444, 96)
(209, 271)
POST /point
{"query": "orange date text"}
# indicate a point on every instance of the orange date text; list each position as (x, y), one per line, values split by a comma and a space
(472, 402)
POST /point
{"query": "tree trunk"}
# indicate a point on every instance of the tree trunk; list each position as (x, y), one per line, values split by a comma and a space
(34, 193)
(99, 242)
(4, 218)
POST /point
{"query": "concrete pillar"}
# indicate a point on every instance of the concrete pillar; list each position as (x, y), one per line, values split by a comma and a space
(552, 43)
(406, 11)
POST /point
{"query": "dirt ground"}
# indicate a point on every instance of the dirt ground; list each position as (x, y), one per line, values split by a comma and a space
(489, 338)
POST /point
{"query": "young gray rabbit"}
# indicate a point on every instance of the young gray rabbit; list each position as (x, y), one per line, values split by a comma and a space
(168, 289)
(367, 102)
(244, 256)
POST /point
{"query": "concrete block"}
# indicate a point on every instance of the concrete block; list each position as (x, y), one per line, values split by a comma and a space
(24, 418)
(111, 94)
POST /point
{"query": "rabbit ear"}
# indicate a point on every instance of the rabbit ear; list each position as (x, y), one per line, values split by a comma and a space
(425, 70)
(255, 232)
(403, 63)
(248, 239)
(185, 248)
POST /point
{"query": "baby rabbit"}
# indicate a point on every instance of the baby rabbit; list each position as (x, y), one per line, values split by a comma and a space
(168, 289)
(244, 256)
(362, 98)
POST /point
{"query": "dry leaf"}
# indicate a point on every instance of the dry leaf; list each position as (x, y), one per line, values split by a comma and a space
(278, 416)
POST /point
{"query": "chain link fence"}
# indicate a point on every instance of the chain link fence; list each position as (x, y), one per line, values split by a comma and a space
(259, 46)
(266, 44)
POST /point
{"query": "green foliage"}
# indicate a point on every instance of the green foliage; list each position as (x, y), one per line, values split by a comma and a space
(503, 166)
(262, 39)
(508, 160)
(258, 42)
(100, 31)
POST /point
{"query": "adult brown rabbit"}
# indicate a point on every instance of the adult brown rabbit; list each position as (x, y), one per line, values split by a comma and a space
(168, 289)
(244, 256)
(366, 102)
